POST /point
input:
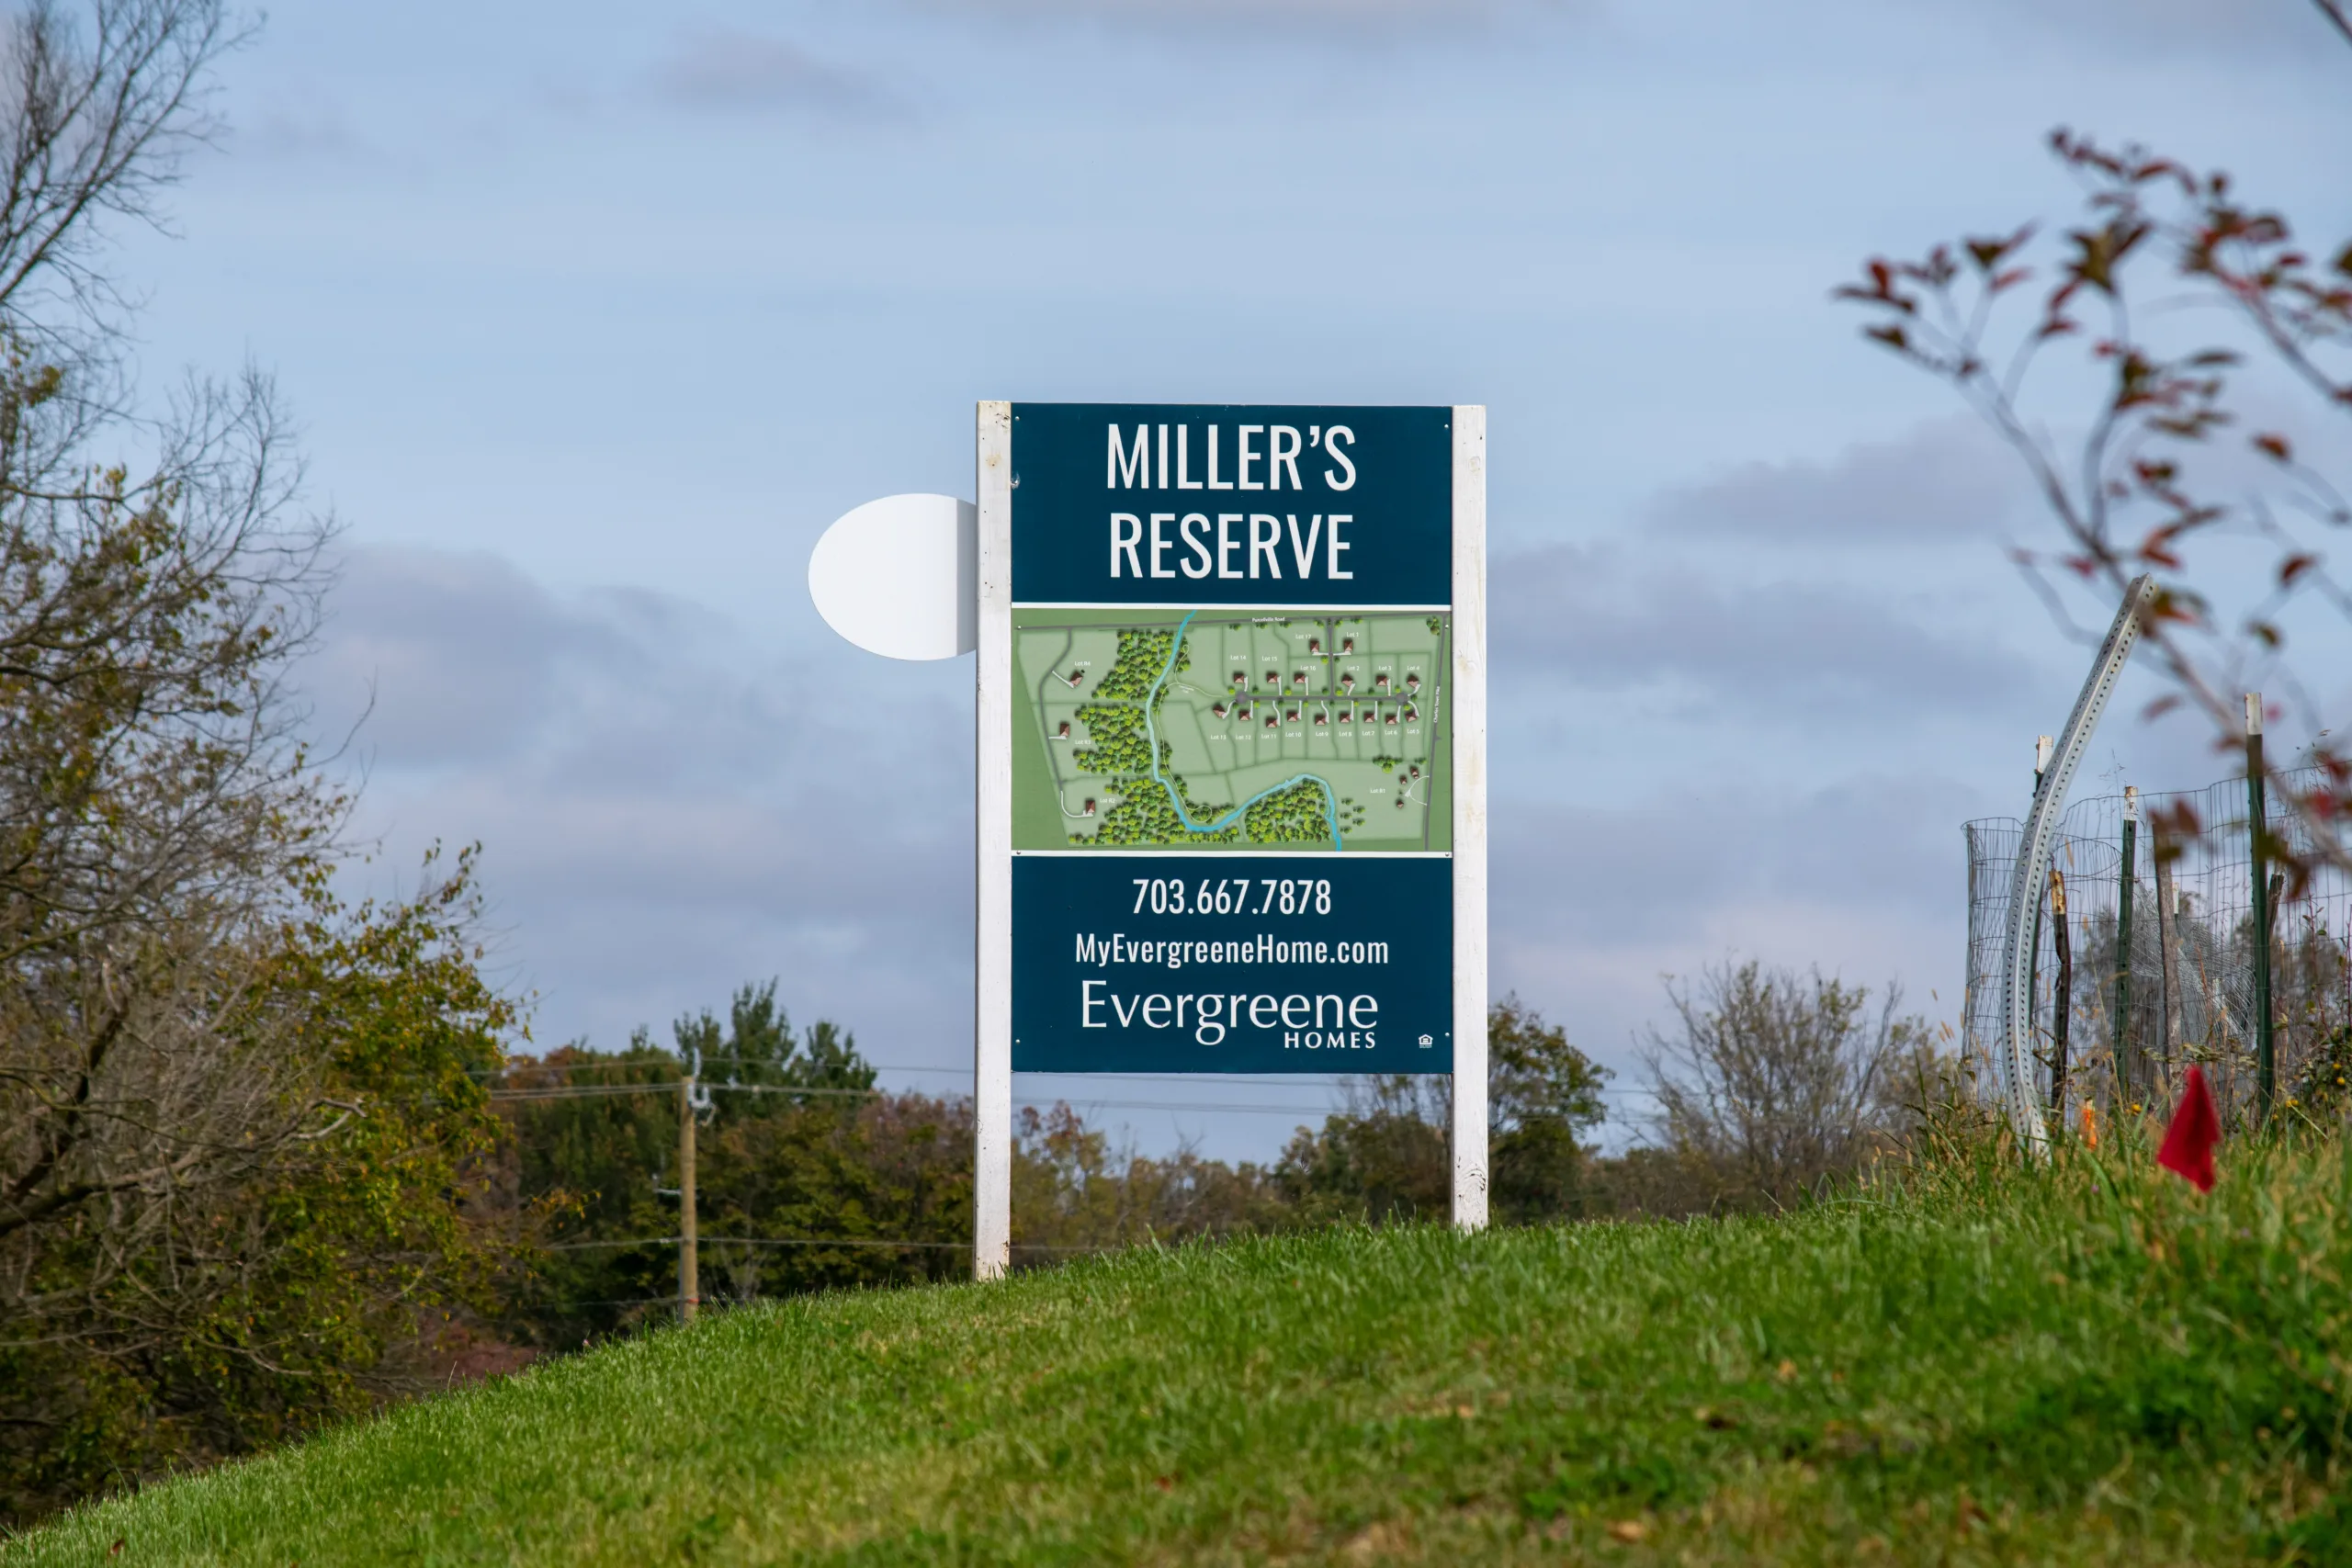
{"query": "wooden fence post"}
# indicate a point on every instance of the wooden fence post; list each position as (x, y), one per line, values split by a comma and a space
(2168, 965)
(2061, 1005)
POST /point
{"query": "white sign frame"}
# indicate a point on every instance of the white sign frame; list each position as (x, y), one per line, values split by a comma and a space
(1469, 1139)
(992, 837)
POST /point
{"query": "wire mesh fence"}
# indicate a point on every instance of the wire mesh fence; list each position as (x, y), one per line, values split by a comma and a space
(2168, 976)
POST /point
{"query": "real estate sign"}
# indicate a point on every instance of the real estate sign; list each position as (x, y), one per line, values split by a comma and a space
(1232, 716)
(1232, 739)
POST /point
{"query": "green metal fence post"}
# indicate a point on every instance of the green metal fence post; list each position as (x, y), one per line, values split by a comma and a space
(2257, 828)
(2125, 1077)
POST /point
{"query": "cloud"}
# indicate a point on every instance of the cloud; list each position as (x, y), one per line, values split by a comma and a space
(726, 70)
(1949, 480)
(666, 811)
(2197, 29)
(1332, 17)
(1868, 842)
(1337, 10)
(1592, 905)
(458, 654)
(302, 127)
(1590, 619)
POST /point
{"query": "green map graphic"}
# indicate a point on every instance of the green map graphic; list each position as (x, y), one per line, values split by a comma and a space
(1225, 729)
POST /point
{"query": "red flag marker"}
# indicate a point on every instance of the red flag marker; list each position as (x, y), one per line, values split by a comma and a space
(2188, 1142)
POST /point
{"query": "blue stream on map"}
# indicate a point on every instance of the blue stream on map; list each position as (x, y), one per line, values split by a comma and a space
(1151, 701)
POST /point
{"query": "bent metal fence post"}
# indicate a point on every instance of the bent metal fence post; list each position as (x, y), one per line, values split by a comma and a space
(2016, 1057)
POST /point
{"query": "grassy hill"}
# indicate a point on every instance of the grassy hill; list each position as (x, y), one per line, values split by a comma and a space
(2085, 1365)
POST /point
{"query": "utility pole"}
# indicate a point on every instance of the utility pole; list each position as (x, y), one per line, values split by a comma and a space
(2258, 830)
(689, 1264)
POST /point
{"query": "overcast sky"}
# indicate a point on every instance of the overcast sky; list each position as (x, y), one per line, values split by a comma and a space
(596, 315)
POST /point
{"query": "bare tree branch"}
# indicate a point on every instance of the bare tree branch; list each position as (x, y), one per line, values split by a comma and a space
(2337, 16)
(2147, 452)
(1772, 1082)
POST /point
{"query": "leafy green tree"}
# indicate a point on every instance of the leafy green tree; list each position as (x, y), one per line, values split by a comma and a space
(755, 1049)
(593, 1134)
(158, 1326)
(807, 1174)
(1385, 1157)
(1382, 1159)
(1545, 1096)
(1073, 1191)
(240, 1136)
(865, 1189)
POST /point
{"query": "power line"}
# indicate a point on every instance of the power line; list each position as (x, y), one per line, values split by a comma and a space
(616, 1064)
(801, 1241)
(1269, 1080)
(609, 1091)
(615, 1091)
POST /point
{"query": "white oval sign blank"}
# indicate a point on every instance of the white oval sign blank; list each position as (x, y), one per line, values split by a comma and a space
(900, 576)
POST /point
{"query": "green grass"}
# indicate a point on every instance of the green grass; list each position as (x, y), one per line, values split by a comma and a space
(2084, 1365)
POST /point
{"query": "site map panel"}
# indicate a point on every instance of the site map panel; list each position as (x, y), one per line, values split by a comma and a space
(1221, 729)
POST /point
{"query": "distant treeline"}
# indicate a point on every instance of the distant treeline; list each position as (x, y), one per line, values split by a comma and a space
(809, 1177)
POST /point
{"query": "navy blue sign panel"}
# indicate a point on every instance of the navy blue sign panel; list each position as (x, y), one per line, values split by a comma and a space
(1185, 963)
(1116, 503)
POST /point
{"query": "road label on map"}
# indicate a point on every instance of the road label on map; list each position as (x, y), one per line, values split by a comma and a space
(1233, 753)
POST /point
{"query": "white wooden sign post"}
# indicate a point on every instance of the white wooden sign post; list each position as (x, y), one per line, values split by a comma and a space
(993, 835)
